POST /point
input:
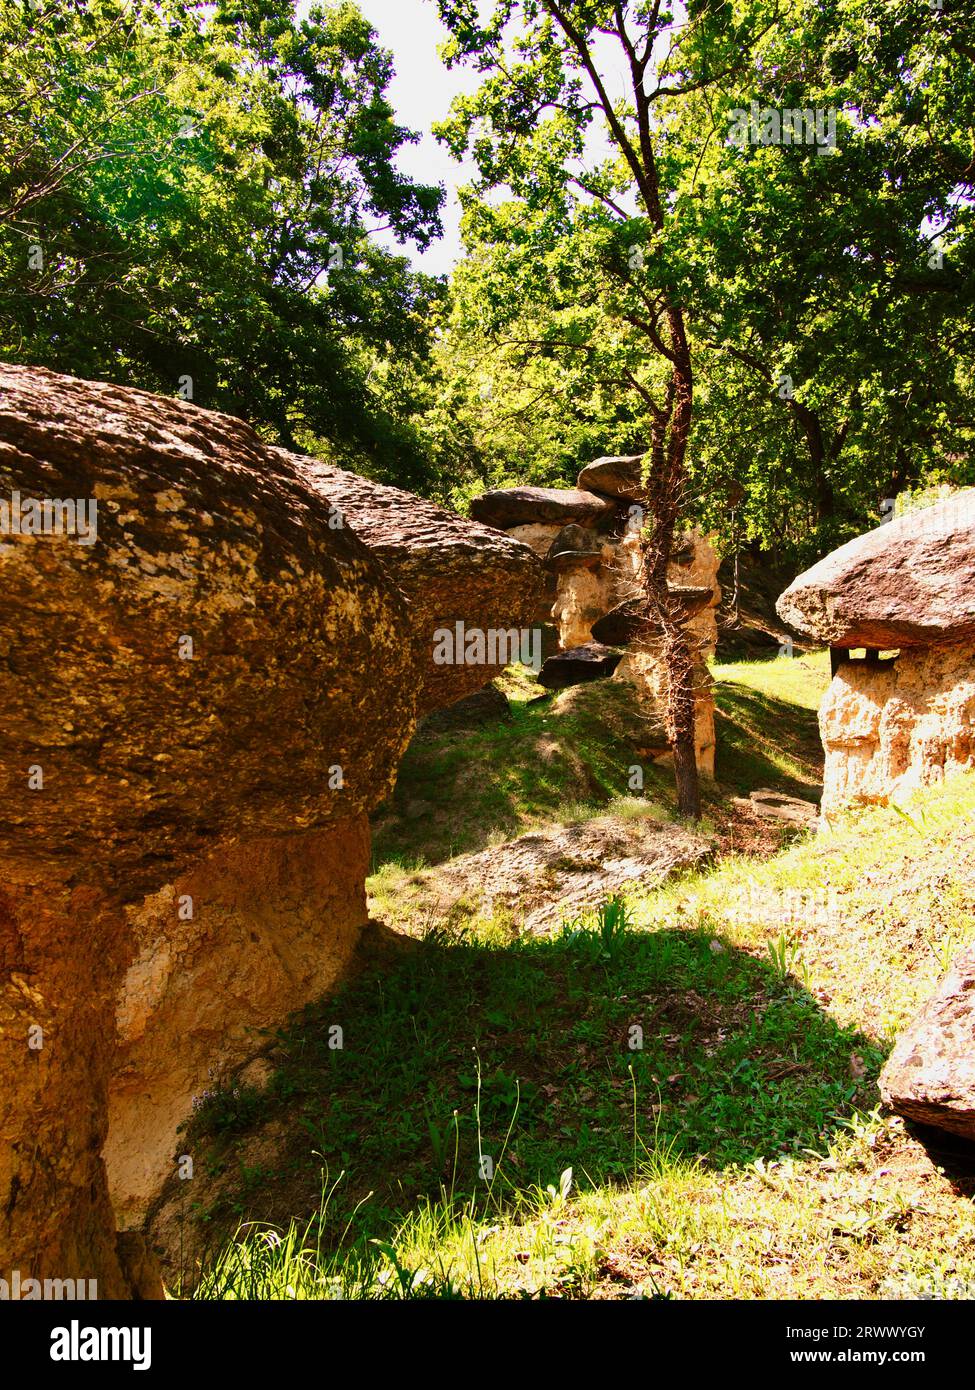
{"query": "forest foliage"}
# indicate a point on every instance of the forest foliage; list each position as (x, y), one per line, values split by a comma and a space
(192, 194)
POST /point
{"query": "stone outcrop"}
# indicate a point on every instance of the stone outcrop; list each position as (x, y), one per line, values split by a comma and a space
(450, 570)
(614, 476)
(590, 662)
(275, 923)
(930, 1074)
(595, 594)
(197, 712)
(890, 724)
(908, 583)
(644, 668)
(520, 506)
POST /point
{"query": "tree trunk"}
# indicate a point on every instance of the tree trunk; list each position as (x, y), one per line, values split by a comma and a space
(665, 489)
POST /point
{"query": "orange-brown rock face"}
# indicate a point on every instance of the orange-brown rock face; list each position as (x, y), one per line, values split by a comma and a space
(449, 569)
(891, 726)
(221, 663)
(61, 950)
(203, 691)
(258, 930)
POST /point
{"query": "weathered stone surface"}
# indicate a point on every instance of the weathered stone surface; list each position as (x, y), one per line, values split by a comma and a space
(621, 624)
(624, 623)
(644, 668)
(694, 565)
(776, 805)
(62, 949)
(275, 923)
(537, 537)
(448, 568)
(520, 506)
(574, 547)
(619, 477)
(908, 583)
(201, 534)
(893, 725)
(302, 663)
(589, 662)
(930, 1074)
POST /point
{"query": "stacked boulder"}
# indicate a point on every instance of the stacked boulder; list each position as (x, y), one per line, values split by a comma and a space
(589, 539)
(901, 716)
(202, 696)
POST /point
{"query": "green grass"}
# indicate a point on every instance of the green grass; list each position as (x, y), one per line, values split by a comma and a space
(459, 791)
(767, 729)
(676, 1094)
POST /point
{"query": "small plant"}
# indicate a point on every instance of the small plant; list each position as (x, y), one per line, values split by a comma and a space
(785, 953)
(223, 1110)
(602, 939)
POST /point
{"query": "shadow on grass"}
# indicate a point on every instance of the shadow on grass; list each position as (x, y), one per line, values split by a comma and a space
(764, 741)
(528, 1053)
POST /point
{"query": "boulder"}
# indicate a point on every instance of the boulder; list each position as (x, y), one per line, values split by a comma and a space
(211, 664)
(930, 1074)
(449, 570)
(908, 583)
(625, 622)
(520, 506)
(621, 624)
(618, 477)
(590, 662)
(574, 545)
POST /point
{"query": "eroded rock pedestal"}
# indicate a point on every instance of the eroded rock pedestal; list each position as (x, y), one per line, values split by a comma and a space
(902, 715)
(589, 539)
(197, 713)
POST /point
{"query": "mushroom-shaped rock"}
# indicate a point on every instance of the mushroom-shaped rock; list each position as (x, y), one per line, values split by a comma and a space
(621, 624)
(451, 571)
(619, 477)
(908, 583)
(521, 506)
(590, 662)
(192, 655)
(627, 620)
(930, 1074)
(573, 548)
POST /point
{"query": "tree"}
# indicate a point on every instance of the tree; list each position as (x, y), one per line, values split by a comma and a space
(827, 296)
(189, 200)
(588, 230)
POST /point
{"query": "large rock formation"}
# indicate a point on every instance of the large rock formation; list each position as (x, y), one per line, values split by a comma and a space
(450, 570)
(595, 558)
(891, 724)
(197, 712)
(619, 476)
(520, 506)
(908, 583)
(930, 1075)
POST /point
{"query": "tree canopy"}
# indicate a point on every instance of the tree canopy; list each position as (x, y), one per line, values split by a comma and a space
(188, 199)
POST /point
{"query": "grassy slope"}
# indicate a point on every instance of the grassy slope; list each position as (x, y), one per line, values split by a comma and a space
(738, 1153)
